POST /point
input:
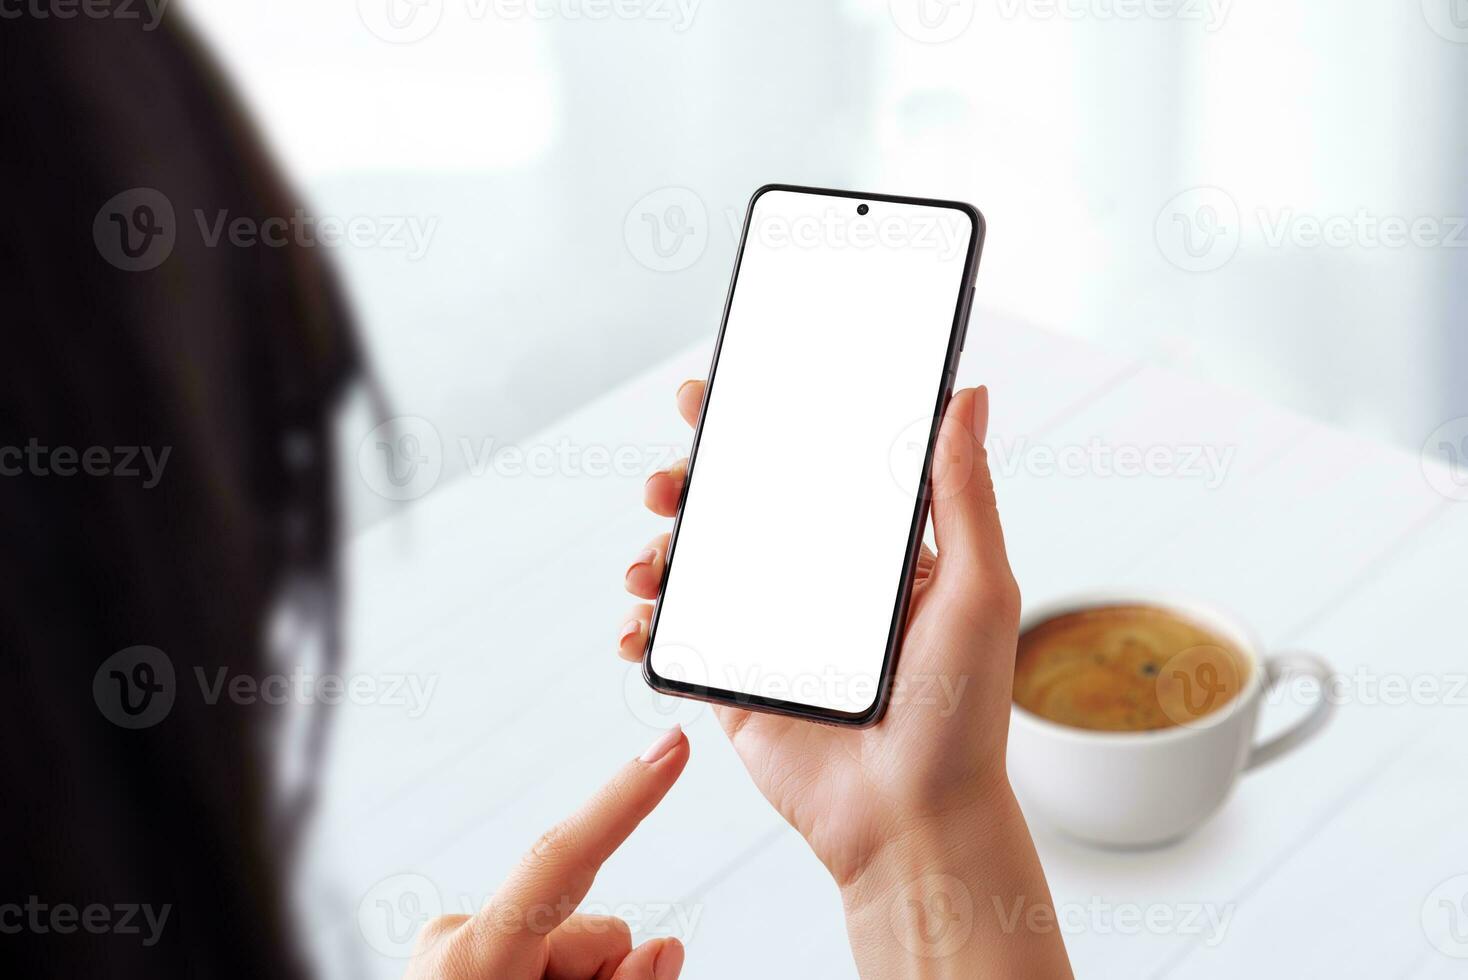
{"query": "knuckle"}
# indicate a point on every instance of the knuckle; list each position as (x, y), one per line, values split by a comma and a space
(1003, 599)
(982, 477)
(440, 924)
(551, 847)
(435, 930)
(619, 931)
(617, 796)
(556, 854)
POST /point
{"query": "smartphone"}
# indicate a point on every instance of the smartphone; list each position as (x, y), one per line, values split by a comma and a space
(791, 562)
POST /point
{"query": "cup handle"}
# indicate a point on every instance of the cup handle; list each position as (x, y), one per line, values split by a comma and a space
(1283, 667)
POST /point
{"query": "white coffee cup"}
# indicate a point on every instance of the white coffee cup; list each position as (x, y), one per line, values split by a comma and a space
(1136, 789)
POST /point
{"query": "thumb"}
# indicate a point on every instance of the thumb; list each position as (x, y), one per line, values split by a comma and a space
(971, 555)
(657, 959)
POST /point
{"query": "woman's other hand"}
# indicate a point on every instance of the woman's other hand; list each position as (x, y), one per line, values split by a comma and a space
(527, 931)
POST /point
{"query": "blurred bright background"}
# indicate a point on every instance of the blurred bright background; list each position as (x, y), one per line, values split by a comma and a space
(1262, 193)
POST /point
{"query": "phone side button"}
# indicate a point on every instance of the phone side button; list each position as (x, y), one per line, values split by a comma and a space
(968, 313)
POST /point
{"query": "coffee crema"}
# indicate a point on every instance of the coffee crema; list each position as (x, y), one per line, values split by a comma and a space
(1126, 668)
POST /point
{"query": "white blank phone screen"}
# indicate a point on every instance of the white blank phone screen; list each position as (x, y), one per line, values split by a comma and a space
(788, 562)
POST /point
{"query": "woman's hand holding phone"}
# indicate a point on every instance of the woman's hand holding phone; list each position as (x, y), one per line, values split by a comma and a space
(526, 931)
(914, 817)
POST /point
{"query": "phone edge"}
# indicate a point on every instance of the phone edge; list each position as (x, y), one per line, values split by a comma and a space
(963, 313)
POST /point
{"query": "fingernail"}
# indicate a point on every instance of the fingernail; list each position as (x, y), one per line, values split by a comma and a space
(686, 384)
(660, 748)
(643, 559)
(981, 413)
(669, 962)
(675, 471)
(629, 628)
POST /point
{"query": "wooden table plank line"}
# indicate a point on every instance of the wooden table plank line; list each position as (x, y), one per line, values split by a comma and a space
(1074, 408)
(727, 870)
(1376, 566)
(1279, 453)
(1371, 570)
(581, 531)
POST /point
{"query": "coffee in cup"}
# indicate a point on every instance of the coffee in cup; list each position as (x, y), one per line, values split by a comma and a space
(1126, 668)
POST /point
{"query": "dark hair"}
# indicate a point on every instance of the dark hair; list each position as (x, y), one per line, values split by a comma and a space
(230, 361)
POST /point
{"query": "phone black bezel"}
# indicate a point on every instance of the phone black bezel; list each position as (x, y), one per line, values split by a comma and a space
(961, 313)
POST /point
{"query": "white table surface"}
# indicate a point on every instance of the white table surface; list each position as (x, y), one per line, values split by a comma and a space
(507, 593)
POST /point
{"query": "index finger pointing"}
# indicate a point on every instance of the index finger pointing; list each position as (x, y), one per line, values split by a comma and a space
(690, 400)
(555, 876)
